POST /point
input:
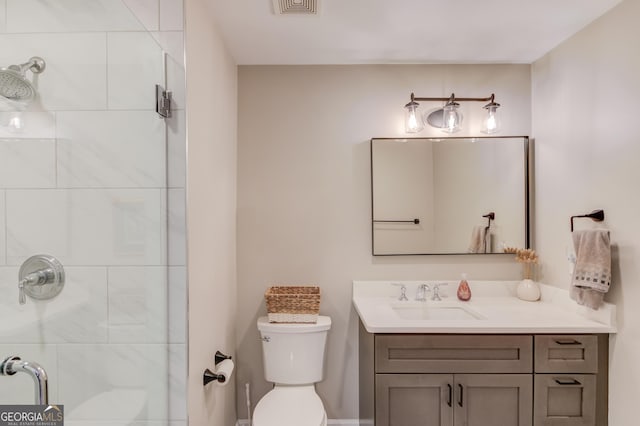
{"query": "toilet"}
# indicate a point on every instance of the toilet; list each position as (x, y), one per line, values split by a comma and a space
(293, 358)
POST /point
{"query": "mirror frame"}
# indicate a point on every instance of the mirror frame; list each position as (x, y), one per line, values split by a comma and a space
(527, 191)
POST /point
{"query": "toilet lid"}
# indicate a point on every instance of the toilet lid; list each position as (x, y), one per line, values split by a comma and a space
(290, 406)
(322, 323)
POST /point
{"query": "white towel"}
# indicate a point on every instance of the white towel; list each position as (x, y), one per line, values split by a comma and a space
(478, 239)
(571, 253)
(592, 273)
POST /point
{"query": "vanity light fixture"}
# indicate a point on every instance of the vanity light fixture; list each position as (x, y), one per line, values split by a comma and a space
(449, 117)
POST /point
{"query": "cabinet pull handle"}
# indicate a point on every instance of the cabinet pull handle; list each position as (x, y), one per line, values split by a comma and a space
(450, 396)
(567, 382)
(460, 395)
(567, 342)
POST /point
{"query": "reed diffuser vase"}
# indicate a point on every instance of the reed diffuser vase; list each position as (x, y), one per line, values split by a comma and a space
(527, 289)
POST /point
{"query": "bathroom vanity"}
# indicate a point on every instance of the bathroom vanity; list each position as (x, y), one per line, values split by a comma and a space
(496, 360)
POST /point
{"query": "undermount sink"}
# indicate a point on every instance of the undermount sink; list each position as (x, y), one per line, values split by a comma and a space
(434, 312)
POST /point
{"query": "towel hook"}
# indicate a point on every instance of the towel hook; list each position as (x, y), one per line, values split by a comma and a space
(490, 216)
(596, 216)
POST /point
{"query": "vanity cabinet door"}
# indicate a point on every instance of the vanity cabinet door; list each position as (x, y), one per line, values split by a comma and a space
(493, 399)
(414, 400)
(565, 400)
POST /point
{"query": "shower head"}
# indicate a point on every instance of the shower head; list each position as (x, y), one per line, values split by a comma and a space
(15, 88)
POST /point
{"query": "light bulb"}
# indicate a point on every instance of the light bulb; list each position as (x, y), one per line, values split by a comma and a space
(451, 117)
(412, 120)
(491, 123)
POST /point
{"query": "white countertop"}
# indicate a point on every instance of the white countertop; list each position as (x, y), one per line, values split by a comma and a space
(494, 302)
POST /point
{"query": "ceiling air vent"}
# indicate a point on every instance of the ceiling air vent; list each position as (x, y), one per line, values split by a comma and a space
(295, 7)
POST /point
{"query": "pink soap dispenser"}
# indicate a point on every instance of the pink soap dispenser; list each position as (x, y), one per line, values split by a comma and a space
(464, 291)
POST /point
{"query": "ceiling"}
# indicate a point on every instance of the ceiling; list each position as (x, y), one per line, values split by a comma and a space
(402, 31)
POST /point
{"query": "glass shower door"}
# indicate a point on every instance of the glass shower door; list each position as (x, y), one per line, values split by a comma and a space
(90, 174)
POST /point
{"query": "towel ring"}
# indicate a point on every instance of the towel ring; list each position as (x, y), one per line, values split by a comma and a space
(596, 216)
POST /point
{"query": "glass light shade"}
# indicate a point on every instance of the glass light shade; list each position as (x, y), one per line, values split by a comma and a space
(451, 117)
(412, 119)
(491, 123)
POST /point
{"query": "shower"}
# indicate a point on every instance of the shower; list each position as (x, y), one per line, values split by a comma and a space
(16, 91)
(90, 175)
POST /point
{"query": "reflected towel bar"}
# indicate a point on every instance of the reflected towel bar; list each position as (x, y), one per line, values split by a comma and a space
(414, 221)
(596, 216)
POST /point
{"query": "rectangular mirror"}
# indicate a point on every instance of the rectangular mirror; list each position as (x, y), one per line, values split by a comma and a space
(449, 195)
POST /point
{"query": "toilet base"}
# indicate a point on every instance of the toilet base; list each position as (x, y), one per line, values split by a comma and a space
(287, 405)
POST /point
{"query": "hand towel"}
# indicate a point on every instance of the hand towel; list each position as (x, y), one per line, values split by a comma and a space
(571, 253)
(478, 239)
(592, 273)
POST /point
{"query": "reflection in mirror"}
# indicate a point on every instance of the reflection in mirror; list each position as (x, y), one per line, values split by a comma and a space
(449, 195)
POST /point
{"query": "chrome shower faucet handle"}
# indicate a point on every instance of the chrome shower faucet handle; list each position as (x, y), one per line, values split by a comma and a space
(41, 277)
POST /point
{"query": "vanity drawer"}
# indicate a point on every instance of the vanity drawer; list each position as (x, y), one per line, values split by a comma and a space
(420, 353)
(564, 400)
(566, 353)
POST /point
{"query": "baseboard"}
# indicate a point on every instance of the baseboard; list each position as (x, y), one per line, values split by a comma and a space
(333, 422)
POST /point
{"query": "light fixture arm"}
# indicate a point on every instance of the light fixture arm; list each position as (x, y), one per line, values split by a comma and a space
(453, 98)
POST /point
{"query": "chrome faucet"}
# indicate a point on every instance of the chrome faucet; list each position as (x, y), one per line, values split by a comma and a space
(421, 292)
(14, 364)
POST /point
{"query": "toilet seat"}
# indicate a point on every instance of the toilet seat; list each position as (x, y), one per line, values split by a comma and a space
(290, 406)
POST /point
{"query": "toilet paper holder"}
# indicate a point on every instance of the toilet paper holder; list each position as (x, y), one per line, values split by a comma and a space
(209, 376)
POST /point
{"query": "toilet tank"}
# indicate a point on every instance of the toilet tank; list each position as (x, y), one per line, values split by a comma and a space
(293, 354)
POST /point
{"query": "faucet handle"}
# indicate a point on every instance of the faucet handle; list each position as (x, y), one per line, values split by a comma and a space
(403, 291)
(436, 291)
(40, 277)
(22, 297)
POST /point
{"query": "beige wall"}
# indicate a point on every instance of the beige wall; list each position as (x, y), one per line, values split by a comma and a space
(304, 203)
(304, 207)
(211, 213)
(493, 172)
(409, 166)
(585, 115)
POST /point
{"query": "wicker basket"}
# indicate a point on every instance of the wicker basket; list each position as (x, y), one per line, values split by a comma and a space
(293, 303)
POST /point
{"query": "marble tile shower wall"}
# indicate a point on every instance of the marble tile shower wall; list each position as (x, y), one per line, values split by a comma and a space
(91, 175)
